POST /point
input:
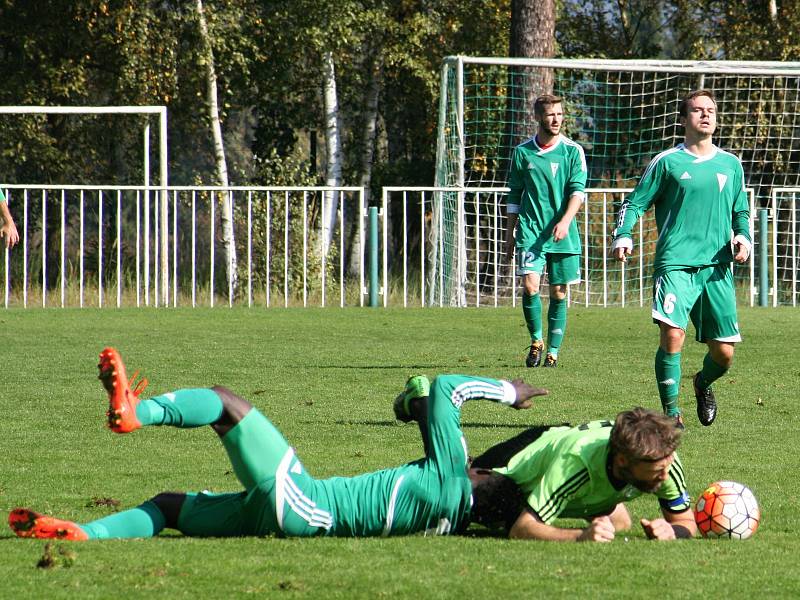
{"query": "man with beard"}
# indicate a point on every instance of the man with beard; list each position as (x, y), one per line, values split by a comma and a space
(547, 177)
(698, 193)
(586, 472)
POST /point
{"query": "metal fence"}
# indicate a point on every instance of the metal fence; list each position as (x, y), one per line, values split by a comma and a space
(99, 246)
(149, 246)
(458, 256)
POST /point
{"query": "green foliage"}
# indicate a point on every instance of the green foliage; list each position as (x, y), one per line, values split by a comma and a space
(270, 215)
(327, 379)
(267, 60)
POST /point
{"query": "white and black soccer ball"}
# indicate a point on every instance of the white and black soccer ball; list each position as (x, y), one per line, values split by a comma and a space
(727, 509)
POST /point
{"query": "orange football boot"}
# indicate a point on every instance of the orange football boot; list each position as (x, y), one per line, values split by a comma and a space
(29, 524)
(122, 400)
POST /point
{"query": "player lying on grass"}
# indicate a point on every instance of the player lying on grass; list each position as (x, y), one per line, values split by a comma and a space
(585, 472)
(432, 494)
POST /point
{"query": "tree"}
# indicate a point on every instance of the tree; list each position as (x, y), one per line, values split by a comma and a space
(532, 35)
(226, 218)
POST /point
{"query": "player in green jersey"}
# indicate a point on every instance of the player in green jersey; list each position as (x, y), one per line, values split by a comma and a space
(433, 494)
(9, 229)
(547, 178)
(586, 472)
(699, 197)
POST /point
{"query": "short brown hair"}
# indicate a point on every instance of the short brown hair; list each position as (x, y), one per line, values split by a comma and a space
(544, 101)
(644, 435)
(683, 107)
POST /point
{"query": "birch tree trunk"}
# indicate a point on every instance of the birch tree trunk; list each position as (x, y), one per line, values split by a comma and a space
(333, 169)
(226, 217)
(370, 129)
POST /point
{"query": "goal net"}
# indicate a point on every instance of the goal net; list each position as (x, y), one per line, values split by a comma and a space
(622, 113)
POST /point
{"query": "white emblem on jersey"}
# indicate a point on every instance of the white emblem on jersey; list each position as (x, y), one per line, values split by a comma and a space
(721, 179)
(531, 166)
(297, 469)
(170, 396)
(686, 175)
(669, 381)
(554, 168)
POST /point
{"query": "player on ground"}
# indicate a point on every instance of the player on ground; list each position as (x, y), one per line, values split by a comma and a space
(433, 494)
(698, 193)
(547, 178)
(588, 472)
(9, 229)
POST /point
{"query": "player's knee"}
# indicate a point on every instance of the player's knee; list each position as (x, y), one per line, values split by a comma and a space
(234, 409)
(558, 292)
(672, 338)
(531, 286)
(232, 403)
(170, 504)
(723, 356)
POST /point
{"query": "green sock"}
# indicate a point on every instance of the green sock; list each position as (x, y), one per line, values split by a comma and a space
(146, 520)
(668, 377)
(556, 324)
(710, 373)
(532, 310)
(182, 408)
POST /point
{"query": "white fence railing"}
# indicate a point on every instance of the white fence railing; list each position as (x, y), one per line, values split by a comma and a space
(462, 239)
(105, 246)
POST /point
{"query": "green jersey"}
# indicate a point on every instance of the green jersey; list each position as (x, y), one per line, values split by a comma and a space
(542, 180)
(566, 472)
(433, 494)
(698, 200)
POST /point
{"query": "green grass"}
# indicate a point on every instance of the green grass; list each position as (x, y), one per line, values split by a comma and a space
(326, 378)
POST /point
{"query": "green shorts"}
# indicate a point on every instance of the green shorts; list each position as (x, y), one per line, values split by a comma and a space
(262, 461)
(705, 295)
(562, 269)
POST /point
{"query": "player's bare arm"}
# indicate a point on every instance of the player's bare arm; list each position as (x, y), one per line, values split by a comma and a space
(561, 228)
(673, 526)
(741, 249)
(9, 229)
(529, 527)
(620, 517)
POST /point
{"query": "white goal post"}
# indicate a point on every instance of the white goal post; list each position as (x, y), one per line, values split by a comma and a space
(623, 112)
(163, 178)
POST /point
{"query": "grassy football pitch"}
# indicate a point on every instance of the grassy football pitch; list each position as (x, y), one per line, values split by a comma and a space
(326, 377)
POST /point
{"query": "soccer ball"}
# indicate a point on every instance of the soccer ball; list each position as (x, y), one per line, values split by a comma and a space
(727, 509)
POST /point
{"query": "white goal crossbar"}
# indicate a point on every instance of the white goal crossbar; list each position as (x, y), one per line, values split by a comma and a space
(163, 177)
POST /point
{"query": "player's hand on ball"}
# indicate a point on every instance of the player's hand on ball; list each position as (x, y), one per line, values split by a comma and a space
(601, 529)
(525, 392)
(658, 529)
